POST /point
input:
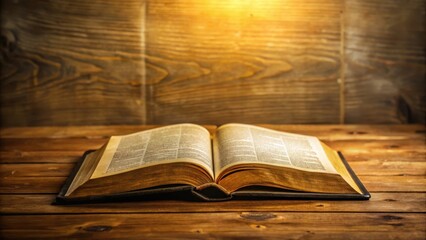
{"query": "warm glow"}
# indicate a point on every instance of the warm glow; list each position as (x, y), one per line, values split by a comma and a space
(243, 8)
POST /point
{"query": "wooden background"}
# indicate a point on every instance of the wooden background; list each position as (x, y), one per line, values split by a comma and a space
(77, 62)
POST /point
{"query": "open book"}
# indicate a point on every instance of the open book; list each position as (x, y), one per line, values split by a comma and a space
(237, 160)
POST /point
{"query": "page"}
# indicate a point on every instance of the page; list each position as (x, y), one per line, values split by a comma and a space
(176, 143)
(240, 143)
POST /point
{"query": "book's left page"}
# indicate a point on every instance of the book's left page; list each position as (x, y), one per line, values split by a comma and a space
(176, 143)
(176, 154)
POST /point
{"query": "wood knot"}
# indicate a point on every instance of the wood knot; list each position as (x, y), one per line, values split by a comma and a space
(391, 217)
(199, 231)
(404, 110)
(257, 226)
(357, 132)
(392, 146)
(8, 40)
(258, 216)
(390, 200)
(97, 228)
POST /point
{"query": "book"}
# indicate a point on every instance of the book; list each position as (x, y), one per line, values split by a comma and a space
(236, 161)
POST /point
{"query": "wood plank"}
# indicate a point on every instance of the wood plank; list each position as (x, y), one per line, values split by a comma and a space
(36, 170)
(355, 132)
(72, 62)
(383, 157)
(83, 144)
(392, 168)
(385, 59)
(86, 131)
(326, 132)
(380, 202)
(257, 62)
(40, 156)
(402, 183)
(374, 146)
(218, 225)
(60, 144)
(27, 184)
(96, 131)
(31, 184)
(387, 163)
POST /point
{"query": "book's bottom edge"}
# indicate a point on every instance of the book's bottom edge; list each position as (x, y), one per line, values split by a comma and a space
(299, 195)
(188, 194)
(178, 193)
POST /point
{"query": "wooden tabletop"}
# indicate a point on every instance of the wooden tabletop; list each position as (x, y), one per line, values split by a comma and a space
(389, 159)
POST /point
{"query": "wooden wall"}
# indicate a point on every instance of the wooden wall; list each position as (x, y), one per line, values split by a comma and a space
(385, 62)
(72, 62)
(83, 62)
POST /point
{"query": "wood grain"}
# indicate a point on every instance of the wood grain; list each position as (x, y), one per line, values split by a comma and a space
(226, 225)
(23, 204)
(91, 132)
(390, 160)
(196, 61)
(40, 156)
(385, 61)
(72, 62)
(253, 62)
(60, 144)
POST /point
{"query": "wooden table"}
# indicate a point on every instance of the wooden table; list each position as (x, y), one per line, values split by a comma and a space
(390, 160)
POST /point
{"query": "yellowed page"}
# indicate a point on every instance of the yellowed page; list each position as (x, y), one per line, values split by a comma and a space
(340, 167)
(86, 169)
(246, 144)
(176, 143)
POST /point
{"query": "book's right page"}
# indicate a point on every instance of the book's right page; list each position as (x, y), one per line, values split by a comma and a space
(247, 144)
(247, 155)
